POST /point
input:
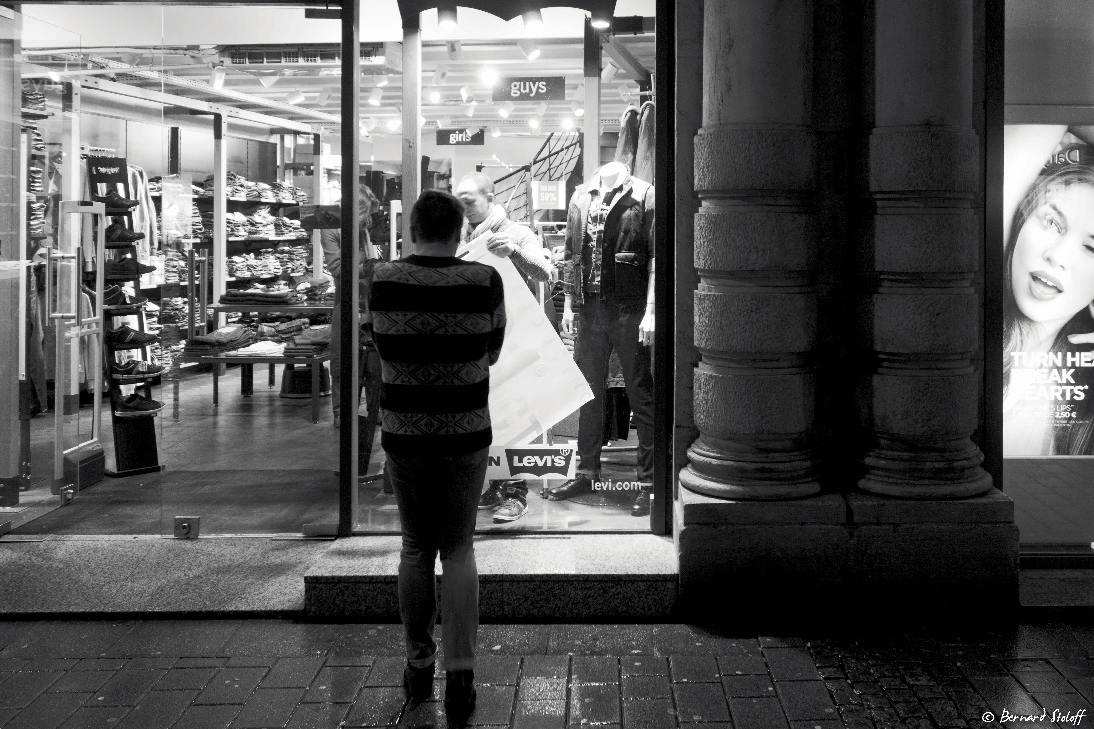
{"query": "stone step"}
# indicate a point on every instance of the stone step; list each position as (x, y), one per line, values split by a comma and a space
(585, 577)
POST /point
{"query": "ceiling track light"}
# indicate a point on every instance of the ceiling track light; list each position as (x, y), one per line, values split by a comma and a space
(567, 123)
(579, 93)
(601, 19)
(541, 109)
(296, 97)
(528, 48)
(466, 94)
(488, 76)
(577, 109)
(495, 131)
(382, 81)
(533, 21)
(447, 18)
(268, 81)
(470, 109)
(534, 122)
(445, 122)
(506, 109)
(434, 96)
(324, 96)
(393, 123)
(216, 77)
(609, 72)
(454, 50)
(54, 76)
(374, 96)
(439, 76)
(371, 123)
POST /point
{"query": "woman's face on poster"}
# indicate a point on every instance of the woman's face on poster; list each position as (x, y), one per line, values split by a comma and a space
(1052, 270)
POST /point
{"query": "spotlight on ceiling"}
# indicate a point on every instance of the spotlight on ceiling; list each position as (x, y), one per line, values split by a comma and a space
(439, 76)
(470, 111)
(495, 131)
(567, 123)
(446, 17)
(601, 19)
(533, 21)
(216, 77)
(374, 96)
(445, 122)
(541, 109)
(489, 76)
(579, 93)
(371, 123)
(393, 123)
(382, 81)
(454, 50)
(434, 96)
(577, 109)
(54, 76)
(268, 81)
(506, 109)
(529, 48)
(324, 96)
(296, 97)
(466, 94)
(609, 72)
(534, 122)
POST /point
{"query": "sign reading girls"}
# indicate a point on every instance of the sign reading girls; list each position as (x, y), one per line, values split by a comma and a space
(530, 88)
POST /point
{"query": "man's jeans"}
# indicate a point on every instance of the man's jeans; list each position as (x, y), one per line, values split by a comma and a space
(603, 327)
(368, 381)
(438, 497)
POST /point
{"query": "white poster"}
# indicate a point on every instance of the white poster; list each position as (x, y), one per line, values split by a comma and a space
(536, 382)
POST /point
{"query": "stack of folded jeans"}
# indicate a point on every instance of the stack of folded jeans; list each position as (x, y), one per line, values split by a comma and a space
(311, 342)
(258, 349)
(221, 340)
(261, 295)
(314, 292)
(174, 311)
(286, 227)
(37, 141)
(35, 176)
(36, 219)
(34, 101)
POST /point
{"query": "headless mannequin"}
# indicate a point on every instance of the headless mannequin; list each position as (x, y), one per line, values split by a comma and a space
(611, 175)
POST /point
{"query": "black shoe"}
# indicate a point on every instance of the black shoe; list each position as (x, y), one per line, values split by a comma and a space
(125, 337)
(127, 268)
(459, 698)
(568, 489)
(641, 505)
(118, 233)
(137, 405)
(114, 201)
(491, 498)
(418, 684)
(135, 368)
(116, 296)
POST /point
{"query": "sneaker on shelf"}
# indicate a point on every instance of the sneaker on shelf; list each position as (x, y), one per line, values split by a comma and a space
(136, 368)
(128, 268)
(114, 201)
(125, 336)
(118, 233)
(491, 498)
(117, 296)
(136, 404)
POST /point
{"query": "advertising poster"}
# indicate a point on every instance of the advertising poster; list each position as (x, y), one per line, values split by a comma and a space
(1048, 314)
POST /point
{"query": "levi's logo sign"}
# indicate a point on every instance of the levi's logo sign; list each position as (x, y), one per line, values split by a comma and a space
(538, 462)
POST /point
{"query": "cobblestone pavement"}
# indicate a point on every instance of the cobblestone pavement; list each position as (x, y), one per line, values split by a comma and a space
(175, 674)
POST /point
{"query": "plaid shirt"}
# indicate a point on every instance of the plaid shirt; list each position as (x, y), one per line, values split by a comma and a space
(593, 250)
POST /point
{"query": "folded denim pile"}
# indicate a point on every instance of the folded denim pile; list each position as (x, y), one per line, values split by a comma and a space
(315, 291)
(293, 260)
(258, 349)
(286, 227)
(311, 342)
(37, 141)
(174, 267)
(221, 340)
(155, 185)
(287, 193)
(174, 311)
(260, 223)
(33, 100)
(264, 264)
(35, 178)
(262, 295)
(36, 219)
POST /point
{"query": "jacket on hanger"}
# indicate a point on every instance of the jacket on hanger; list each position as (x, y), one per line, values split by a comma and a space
(628, 236)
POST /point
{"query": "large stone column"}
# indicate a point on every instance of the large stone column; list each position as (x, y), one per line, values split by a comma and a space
(755, 252)
(922, 316)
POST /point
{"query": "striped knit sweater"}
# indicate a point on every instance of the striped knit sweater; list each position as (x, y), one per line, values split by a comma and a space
(438, 324)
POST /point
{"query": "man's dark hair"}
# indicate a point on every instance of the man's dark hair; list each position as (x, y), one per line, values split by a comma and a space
(436, 217)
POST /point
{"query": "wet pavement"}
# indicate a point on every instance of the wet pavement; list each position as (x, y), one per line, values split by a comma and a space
(191, 674)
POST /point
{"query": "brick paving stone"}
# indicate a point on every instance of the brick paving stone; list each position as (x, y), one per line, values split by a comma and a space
(126, 687)
(200, 662)
(538, 688)
(49, 664)
(336, 658)
(336, 684)
(1085, 686)
(12, 664)
(1027, 664)
(207, 717)
(494, 705)
(317, 716)
(592, 669)
(741, 665)
(644, 666)
(497, 670)
(873, 701)
(1073, 667)
(867, 688)
(881, 715)
(694, 669)
(747, 686)
(427, 715)
(99, 664)
(185, 678)
(757, 714)
(848, 713)
(386, 672)
(1000, 693)
(268, 708)
(700, 702)
(516, 639)
(95, 717)
(906, 710)
(904, 694)
(376, 706)
(711, 725)
(646, 687)
(891, 682)
(231, 686)
(47, 711)
(293, 672)
(175, 638)
(1044, 682)
(546, 666)
(929, 692)
(1065, 703)
(22, 688)
(594, 704)
(783, 642)
(7, 715)
(158, 710)
(80, 682)
(841, 691)
(790, 664)
(72, 639)
(983, 668)
(252, 661)
(541, 715)
(279, 638)
(648, 714)
(805, 700)
(822, 724)
(831, 672)
(153, 662)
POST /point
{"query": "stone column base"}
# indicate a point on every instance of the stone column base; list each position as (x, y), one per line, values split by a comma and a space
(847, 558)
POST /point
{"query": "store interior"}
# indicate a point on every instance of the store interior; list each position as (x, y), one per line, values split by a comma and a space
(213, 362)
